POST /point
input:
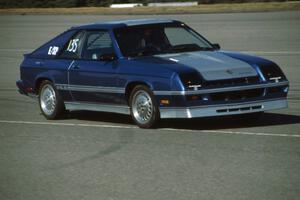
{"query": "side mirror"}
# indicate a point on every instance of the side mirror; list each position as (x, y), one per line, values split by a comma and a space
(216, 46)
(108, 57)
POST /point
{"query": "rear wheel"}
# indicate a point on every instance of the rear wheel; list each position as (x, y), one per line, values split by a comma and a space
(50, 102)
(143, 107)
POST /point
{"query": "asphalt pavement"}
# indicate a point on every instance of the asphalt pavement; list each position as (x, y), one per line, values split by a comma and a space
(90, 155)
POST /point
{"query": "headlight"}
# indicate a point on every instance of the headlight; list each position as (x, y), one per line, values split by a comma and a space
(191, 80)
(272, 73)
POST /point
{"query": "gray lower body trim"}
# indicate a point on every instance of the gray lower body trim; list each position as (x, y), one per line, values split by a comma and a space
(97, 107)
(220, 110)
(189, 112)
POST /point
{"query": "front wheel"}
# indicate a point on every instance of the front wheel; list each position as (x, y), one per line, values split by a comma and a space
(50, 102)
(143, 107)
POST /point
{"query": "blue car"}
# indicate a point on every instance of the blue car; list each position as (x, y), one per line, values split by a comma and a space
(149, 69)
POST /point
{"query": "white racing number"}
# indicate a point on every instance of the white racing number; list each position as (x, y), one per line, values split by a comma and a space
(53, 50)
(73, 45)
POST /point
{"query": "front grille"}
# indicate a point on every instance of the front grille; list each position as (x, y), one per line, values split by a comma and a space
(237, 95)
(229, 96)
(231, 82)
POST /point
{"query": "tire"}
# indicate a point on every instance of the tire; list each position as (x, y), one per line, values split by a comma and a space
(249, 117)
(143, 107)
(50, 102)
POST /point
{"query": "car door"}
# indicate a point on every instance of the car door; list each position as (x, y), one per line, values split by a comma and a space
(92, 77)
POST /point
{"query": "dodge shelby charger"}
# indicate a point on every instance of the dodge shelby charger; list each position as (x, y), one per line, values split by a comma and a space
(149, 69)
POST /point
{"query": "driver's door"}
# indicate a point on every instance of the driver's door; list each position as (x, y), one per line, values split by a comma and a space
(92, 80)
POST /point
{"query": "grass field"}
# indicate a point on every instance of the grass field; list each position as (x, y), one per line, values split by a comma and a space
(212, 8)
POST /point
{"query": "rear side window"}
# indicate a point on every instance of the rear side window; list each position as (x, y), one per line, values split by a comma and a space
(74, 46)
(96, 44)
(54, 47)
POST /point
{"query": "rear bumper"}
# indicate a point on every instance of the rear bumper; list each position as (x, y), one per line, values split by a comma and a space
(21, 87)
(224, 109)
(28, 91)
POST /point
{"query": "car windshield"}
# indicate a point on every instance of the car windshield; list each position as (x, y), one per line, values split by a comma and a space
(147, 40)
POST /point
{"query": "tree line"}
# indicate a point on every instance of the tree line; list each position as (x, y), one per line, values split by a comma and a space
(102, 3)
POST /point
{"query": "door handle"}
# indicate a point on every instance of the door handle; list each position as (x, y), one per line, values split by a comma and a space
(39, 63)
(76, 66)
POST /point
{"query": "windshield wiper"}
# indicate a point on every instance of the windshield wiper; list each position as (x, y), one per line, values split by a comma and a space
(207, 48)
(187, 47)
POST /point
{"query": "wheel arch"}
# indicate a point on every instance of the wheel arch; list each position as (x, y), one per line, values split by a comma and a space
(39, 81)
(129, 87)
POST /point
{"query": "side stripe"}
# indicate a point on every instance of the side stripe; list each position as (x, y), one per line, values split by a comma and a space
(83, 88)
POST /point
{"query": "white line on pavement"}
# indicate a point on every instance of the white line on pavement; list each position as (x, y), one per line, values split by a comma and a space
(65, 124)
(164, 129)
(238, 133)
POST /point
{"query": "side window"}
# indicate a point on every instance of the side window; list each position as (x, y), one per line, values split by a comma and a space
(96, 44)
(74, 46)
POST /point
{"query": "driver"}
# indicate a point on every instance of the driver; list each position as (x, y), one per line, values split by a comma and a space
(148, 40)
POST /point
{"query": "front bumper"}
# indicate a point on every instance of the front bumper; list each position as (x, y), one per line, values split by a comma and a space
(224, 109)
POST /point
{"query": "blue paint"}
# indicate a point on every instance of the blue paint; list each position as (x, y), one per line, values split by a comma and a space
(159, 73)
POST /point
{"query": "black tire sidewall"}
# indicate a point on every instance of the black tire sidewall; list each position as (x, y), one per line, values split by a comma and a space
(155, 116)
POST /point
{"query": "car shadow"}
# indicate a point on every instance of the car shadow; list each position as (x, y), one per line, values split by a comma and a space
(208, 123)
(228, 122)
(99, 116)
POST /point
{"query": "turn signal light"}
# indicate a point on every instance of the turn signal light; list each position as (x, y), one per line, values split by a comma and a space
(194, 97)
(164, 102)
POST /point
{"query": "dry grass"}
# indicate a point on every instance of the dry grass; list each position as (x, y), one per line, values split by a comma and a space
(213, 8)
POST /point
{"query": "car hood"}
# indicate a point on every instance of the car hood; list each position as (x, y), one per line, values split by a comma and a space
(212, 65)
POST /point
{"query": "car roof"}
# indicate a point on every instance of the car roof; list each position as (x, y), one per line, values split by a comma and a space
(123, 23)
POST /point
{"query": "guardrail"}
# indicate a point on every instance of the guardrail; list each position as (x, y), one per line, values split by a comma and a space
(173, 4)
(126, 5)
(161, 4)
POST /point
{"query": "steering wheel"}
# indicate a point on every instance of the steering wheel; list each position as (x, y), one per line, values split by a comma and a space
(148, 49)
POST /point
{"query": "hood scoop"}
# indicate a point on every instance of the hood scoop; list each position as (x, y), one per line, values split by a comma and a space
(213, 65)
